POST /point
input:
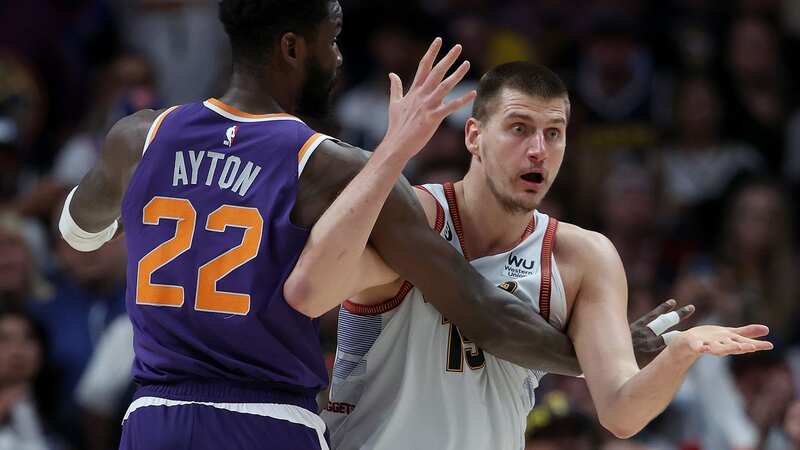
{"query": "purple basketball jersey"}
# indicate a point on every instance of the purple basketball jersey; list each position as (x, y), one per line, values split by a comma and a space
(210, 245)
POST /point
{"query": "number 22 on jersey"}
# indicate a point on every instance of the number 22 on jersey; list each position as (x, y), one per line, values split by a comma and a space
(207, 297)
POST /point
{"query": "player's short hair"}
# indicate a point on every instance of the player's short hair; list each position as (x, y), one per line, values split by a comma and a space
(254, 26)
(529, 78)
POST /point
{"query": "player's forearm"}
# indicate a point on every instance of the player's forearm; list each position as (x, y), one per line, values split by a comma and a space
(92, 213)
(327, 270)
(525, 338)
(647, 393)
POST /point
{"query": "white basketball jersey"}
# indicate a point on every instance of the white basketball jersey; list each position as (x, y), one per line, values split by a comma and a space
(406, 378)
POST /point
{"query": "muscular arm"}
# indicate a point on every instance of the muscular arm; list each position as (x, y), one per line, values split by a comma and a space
(626, 398)
(494, 319)
(335, 263)
(96, 202)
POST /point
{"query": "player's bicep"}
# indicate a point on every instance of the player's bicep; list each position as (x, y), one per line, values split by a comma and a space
(598, 326)
(97, 200)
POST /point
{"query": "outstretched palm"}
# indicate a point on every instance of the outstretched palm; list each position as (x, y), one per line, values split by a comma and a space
(720, 341)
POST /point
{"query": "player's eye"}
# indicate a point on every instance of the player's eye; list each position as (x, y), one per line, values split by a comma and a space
(553, 133)
(518, 129)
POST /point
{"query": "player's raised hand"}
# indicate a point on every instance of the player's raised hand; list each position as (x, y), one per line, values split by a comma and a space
(720, 341)
(415, 115)
(647, 332)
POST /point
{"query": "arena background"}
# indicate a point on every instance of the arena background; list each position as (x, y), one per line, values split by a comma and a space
(683, 148)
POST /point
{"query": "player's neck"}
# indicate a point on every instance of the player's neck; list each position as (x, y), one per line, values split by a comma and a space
(488, 227)
(256, 95)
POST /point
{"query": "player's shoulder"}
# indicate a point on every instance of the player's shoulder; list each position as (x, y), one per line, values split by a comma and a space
(429, 203)
(133, 129)
(138, 122)
(579, 245)
(125, 140)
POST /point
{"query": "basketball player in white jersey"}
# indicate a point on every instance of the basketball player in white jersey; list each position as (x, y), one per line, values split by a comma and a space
(405, 378)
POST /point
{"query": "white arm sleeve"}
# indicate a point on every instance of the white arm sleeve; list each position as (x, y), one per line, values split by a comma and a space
(78, 238)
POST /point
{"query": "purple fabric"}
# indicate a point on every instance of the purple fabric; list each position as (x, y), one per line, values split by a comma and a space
(199, 427)
(272, 345)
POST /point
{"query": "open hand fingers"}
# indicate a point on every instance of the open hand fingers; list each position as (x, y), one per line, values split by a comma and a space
(395, 87)
(684, 312)
(755, 343)
(736, 345)
(450, 82)
(752, 331)
(437, 73)
(426, 62)
(663, 308)
(454, 105)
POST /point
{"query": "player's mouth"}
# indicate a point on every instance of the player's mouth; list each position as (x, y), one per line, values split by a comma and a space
(533, 178)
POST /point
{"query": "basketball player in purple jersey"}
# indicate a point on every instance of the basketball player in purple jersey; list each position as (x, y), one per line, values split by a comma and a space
(216, 204)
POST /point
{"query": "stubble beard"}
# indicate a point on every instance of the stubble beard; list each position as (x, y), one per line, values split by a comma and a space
(315, 95)
(508, 203)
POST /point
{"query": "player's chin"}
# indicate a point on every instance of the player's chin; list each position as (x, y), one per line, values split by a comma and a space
(530, 199)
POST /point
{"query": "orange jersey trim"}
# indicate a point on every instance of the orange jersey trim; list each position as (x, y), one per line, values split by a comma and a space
(237, 112)
(157, 124)
(307, 145)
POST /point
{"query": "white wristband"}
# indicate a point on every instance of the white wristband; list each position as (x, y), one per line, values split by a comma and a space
(670, 336)
(77, 237)
(664, 322)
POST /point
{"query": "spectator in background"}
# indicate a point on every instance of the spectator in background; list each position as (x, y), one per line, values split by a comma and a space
(791, 424)
(574, 432)
(619, 102)
(127, 85)
(185, 42)
(697, 166)
(89, 294)
(20, 279)
(765, 384)
(759, 98)
(757, 260)
(21, 357)
(628, 216)
(22, 116)
(105, 389)
(363, 110)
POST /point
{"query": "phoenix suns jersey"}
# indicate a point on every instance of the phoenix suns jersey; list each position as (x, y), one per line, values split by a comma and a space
(406, 378)
(210, 244)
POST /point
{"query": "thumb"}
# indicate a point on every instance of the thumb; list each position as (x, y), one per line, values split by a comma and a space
(395, 87)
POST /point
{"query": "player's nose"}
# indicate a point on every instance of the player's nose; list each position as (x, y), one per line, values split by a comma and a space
(536, 146)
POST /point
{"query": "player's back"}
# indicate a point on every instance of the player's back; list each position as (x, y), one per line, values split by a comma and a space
(210, 244)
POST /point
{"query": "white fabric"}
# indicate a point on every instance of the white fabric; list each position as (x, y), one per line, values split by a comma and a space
(75, 158)
(670, 336)
(391, 388)
(664, 322)
(290, 413)
(108, 375)
(22, 430)
(78, 238)
(310, 150)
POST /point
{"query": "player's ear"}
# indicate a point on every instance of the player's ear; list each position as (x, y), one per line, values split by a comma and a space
(472, 137)
(293, 49)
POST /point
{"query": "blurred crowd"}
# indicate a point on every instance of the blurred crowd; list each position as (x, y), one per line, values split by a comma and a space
(683, 148)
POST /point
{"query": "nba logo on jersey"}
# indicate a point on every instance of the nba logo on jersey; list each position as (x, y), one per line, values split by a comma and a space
(230, 135)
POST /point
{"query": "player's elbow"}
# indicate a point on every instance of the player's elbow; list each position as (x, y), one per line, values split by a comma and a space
(618, 426)
(298, 294)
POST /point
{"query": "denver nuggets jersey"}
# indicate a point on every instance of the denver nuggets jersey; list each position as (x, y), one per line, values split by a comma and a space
(406, 378)
(210, 244)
